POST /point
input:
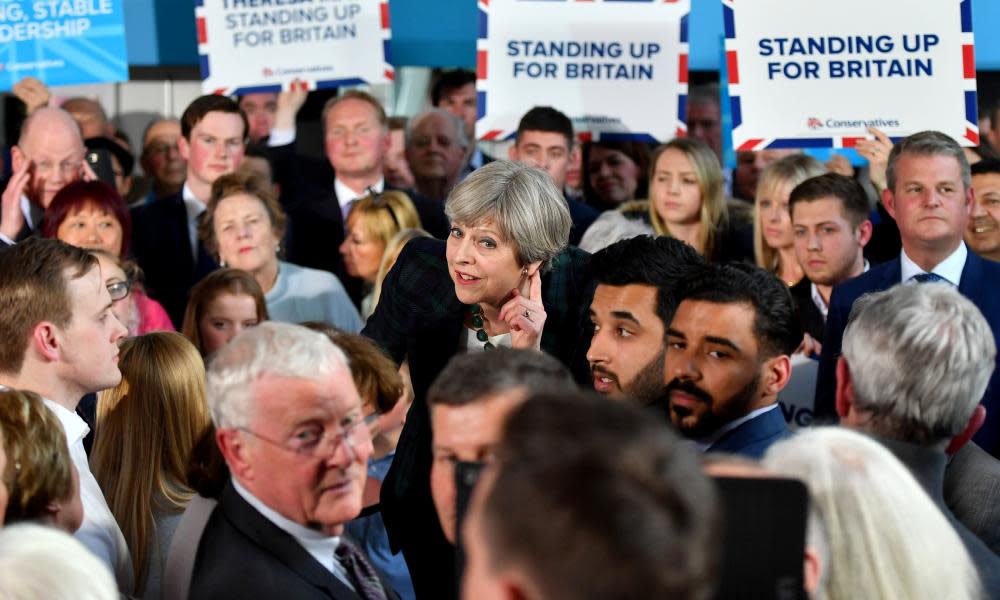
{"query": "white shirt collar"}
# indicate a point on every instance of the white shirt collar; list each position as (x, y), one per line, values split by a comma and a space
(346, 194)
(319, 546)
(949, 268)
(193, 205)
(26, 211)
(76, 428)
(707, 442)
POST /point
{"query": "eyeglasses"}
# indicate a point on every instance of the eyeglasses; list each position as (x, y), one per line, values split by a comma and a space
(309, 444)
(119, 289)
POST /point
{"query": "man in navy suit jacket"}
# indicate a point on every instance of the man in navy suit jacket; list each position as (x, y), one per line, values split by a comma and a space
(728, 356)
(929, 195)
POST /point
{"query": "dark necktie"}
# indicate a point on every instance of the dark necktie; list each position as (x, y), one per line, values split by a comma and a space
(928, 278)
(361, 573)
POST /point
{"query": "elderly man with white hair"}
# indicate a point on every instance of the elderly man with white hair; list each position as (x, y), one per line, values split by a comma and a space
(916, 361)
(436, 146)
(289, 424)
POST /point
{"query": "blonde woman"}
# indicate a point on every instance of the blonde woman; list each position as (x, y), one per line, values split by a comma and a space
(371, 224)
(873, 532)
(773, 240)
(389, 256)
(686, 201)
(146, 427)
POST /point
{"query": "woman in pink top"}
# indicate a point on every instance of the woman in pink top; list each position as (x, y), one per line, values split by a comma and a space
(90, 214)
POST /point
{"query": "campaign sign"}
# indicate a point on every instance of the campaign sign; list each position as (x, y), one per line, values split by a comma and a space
(816, 73)
(62, 42)
(617, 68)
(262, 45)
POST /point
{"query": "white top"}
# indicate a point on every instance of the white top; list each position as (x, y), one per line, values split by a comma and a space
(194, 208)
(319, 546)
(100, 532)
(949, 268)
(472, 343)
(300, 294)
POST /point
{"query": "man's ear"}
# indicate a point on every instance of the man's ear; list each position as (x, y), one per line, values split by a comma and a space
(844, 394)
(975, 422)
(865, 233)
(889, 202)
(45, 341)
(812, 568)
(183, 148)
(512, 152)
(777, 374)
(17, 158)
(232, 444)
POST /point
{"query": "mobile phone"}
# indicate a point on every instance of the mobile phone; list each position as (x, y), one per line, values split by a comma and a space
(100, 163)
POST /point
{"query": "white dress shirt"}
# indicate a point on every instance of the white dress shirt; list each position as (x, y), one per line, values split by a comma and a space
(818, 300)
(345, 195)
(319, 546)
(100, 532)
(950, 268)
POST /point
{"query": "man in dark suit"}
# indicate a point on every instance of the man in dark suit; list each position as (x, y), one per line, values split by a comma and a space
(830, 222)
(728, 356)
(930, 197)
(289, 424)
(916, 360)
(48, 155)
(318, 196)
(545, 139)
(165, 233)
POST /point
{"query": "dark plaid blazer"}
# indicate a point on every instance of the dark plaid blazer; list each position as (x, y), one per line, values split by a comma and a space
(419, 318)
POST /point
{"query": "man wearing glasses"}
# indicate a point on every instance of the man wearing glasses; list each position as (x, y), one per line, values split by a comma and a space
(48, 155)
(289, 424)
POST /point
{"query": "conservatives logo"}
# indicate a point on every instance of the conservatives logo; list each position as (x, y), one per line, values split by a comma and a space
(814, 123)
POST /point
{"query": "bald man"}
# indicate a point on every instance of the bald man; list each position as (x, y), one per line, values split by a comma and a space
(48, 155)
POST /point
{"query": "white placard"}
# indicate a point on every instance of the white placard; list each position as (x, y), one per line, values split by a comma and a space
(816, 73)
(262, 45)
(617, 68)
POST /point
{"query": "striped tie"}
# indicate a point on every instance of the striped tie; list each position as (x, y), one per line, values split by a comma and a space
(361, 573)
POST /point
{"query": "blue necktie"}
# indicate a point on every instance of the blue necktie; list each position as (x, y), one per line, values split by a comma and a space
(928, 278)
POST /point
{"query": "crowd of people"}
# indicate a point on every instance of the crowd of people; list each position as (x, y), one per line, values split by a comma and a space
(412, 370)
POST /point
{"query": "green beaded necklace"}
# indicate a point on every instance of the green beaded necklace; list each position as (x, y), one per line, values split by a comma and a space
(477, 322)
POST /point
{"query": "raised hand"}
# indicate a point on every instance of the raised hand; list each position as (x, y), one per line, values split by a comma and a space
(876, 152)
(33, 93)
(11, 217)
(525, 315)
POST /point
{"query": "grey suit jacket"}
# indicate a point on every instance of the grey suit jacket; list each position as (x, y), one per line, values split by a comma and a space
(972, 492)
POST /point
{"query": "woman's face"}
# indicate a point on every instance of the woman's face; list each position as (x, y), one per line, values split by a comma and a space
(225, 317)
(482, 265)
(92, 228)
(114, 275)
(775, 222)
(674, 191)
(244, 233)
(362, 252)
(613, 175)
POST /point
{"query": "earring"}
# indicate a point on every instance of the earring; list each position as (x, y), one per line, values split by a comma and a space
(277, 248)
(222, 264)
(524, 272)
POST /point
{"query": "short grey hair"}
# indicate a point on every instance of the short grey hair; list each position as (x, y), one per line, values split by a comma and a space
(523, 203)
(880, 527)
(920, 357)
(269, 349)
(44, 562)
(457, 125)
(927, 143)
